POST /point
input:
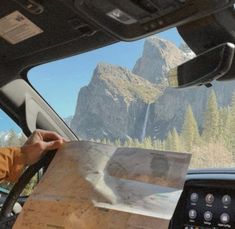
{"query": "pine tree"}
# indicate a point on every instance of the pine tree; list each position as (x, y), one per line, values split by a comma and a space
(228, 129)
(147, 143)
(222, 120)
(117, 142)
(22, 139)
(30, 186)
(190, 134)
(2, 142)
(224, 125)
(232, 125)
(104, 141)
(12, 139)
(168, 145)
(157, 144)
(109, 142)
(136, 143)
(211, 121)
(128, 142)
(163, 145)
(175, 145)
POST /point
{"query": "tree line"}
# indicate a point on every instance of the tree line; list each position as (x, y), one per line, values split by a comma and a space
(211, 146)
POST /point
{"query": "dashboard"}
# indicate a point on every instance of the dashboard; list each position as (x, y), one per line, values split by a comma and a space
(207, 202)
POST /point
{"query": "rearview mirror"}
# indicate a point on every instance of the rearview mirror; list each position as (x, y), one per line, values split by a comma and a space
(203, 69)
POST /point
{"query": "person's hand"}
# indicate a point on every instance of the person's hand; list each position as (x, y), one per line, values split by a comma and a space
(39, 143)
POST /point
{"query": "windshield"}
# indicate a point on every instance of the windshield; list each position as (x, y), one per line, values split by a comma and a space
(120, 95)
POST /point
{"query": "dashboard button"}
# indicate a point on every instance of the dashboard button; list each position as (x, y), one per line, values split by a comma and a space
(224, 218)
(209, 198)
(194, 197)
(226, 199)
(192, 214)
(208, 216)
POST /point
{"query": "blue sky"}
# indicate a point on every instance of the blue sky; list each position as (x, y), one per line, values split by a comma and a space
(59, 82)
(6, 123)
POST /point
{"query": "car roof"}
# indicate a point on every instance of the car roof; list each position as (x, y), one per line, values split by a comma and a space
(60, 28)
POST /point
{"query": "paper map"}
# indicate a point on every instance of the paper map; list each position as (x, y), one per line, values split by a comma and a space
(91, 185)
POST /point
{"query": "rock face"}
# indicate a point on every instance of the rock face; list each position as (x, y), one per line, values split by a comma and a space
(159, 56)
(115, 104)
(170, 108)
(68, 120)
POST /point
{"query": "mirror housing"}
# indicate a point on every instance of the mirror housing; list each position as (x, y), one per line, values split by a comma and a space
(211, 65)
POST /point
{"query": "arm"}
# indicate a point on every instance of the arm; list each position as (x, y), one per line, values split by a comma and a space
(13, 160)
(11, 164)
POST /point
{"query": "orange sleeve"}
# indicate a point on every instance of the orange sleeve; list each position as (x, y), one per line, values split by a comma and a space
(11, 164)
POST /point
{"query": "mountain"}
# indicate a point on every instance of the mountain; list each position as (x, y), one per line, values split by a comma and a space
(113, 105)
(158, 57)
(68, 120)
(119, 103)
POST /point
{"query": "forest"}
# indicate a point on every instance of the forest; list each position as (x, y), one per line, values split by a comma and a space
(212, 146)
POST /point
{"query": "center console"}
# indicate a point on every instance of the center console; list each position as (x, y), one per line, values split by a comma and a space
(207, 202)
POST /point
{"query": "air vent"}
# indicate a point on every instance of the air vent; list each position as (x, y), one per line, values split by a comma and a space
(146, 5)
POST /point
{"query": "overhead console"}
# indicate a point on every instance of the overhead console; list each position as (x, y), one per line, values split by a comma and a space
(132, 19)
(208, 202)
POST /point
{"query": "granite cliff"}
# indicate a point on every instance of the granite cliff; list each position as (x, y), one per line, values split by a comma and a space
(158, 57)
(119, 103)
(114, 104)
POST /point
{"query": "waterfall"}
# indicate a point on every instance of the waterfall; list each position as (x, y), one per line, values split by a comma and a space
(145, 123)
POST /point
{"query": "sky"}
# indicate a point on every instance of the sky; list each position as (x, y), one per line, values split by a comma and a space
(7, 124)
(60, 81)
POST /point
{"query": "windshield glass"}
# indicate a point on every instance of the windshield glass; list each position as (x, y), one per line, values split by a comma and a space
(120, 95)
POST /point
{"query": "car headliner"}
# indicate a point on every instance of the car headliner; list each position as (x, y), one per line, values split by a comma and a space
(66, 32)
(60, 38)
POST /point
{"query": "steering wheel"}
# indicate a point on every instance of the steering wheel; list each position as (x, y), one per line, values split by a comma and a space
(6, 218)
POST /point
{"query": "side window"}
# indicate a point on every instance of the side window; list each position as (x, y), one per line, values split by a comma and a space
(10, 133)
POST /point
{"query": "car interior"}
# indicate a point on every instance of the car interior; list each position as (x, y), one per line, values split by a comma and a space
(59, 29)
